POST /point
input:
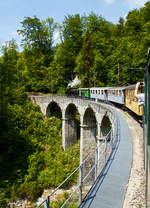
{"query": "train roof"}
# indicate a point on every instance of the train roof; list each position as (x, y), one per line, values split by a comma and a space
(84, 88)
(130, 86)
(99, 88)
(117, 88)
(123, 87)
(110, 88)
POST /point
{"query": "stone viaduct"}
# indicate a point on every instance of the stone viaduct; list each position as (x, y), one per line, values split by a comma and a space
(84, 119)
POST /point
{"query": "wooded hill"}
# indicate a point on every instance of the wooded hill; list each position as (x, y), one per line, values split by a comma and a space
(98, 52)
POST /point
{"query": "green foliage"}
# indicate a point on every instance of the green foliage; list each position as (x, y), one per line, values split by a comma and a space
(60, 202)
(3, 202)
(98, 52)
(32, 157)
(49, 167)
(68, 49)
(91, 48)
(34, 151)
(37, 34)
(38, 53)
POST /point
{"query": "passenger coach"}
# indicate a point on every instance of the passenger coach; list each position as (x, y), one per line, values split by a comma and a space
(116, 95)
(99, 93)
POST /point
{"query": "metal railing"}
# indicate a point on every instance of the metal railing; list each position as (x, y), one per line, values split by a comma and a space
(88, 171)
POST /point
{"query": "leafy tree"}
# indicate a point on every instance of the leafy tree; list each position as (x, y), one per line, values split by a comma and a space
(38, 35)
(72, 29)
(38, 52)
(85, 61)
(97, 45)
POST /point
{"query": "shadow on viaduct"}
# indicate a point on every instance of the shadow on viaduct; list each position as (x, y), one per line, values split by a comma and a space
(82, 119)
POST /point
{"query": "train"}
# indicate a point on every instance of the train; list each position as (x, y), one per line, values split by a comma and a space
(123, 96)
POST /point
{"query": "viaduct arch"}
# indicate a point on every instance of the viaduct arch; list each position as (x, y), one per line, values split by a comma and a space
(95, 120)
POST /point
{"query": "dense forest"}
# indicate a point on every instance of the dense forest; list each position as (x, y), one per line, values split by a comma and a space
(98, 52)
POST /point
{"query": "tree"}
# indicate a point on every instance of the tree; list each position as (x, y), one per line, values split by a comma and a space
(91, 66)
(38, 35)
(85, 70)
(38, 52)
(72, 29)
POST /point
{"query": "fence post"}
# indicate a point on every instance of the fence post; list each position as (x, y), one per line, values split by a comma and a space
(47, 203)
(80, 183)
(112, 138)
(96, 162)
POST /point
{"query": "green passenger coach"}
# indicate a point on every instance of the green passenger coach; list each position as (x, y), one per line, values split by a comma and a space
(84, 92)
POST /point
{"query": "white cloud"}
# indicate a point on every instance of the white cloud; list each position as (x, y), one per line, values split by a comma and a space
(136, 3)
(109, 1)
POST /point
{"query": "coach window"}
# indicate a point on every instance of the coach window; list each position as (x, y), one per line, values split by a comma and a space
(132, 93)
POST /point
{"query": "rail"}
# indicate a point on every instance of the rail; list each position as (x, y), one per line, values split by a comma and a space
(88, 171)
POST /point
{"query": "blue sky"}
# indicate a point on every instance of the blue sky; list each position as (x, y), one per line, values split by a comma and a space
(12, 12)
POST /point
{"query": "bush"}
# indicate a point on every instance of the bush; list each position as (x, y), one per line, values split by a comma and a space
(3, 201)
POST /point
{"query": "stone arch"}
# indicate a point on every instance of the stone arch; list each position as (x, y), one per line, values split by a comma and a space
(71, 125)
(88, 143)
(89, 132)
(106, 126)
(53, 109)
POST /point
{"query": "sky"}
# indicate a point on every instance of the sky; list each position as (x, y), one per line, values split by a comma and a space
(12, 12)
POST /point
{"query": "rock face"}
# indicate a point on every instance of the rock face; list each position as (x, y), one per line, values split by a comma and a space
(21, 204)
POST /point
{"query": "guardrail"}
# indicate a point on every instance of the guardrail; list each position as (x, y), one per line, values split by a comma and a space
(88, 171)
